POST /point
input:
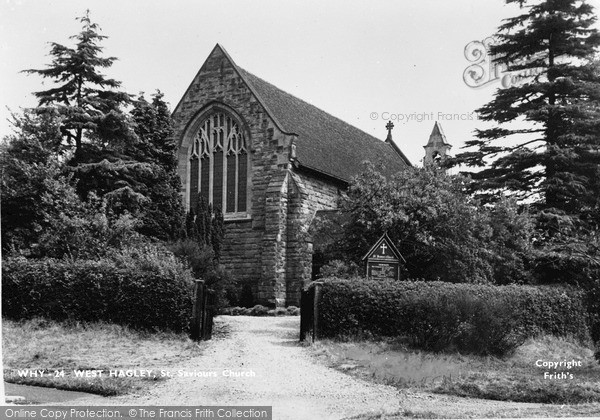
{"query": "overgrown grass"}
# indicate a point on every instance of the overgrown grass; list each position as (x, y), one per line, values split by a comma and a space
(391, 363)
(53, 346)
(517, 378)
(513, 378)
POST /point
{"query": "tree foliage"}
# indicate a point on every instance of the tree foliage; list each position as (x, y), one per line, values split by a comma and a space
(90, 104)
(117, 148)
(547, 143)
(441, 232)
(42, 214)
(201, 251)
(142, 180)
(34, 190)
(89, 159)
(205, 226)
(154, 128)
(92, 172)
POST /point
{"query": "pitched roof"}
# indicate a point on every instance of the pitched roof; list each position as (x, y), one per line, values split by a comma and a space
(325, 143)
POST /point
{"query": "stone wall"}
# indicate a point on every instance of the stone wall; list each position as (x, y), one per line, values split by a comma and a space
(307, 194)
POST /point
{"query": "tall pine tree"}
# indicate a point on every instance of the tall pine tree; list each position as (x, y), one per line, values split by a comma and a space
(90, 104)
(546, 146)
(547, 142)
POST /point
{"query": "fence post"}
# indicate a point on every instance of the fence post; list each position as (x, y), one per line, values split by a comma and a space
(317, 299)
(197, 311)
(303, 301)
(208, 314)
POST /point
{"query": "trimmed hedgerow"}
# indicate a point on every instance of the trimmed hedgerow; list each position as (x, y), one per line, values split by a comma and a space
(153, 292)
(437, 316)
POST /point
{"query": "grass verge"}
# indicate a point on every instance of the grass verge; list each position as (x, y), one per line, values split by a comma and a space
(516, 378)
(519, 378)
(57, 349)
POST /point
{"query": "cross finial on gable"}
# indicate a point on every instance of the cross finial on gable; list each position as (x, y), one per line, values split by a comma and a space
(389, 127)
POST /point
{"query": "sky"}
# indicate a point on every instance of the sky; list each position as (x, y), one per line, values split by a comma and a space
(366, 62)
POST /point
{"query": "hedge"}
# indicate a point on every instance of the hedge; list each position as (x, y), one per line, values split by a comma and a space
(438, 316)
(158, 296)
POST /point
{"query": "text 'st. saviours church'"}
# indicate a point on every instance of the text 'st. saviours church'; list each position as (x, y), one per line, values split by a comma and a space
(270, 161)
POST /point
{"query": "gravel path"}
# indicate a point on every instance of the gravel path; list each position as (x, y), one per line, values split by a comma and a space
(286, 376)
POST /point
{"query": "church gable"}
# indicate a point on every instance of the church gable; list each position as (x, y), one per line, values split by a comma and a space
(226, 139)
(269, 161)
(318, 140)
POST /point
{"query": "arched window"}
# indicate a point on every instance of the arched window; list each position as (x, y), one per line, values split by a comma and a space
(219, 164)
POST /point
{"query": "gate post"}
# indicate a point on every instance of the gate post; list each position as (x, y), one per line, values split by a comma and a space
(208, 313)
(303, 315)
(317, 299)
(197, 311)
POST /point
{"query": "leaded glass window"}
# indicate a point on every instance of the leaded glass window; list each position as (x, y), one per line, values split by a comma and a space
(219, 164)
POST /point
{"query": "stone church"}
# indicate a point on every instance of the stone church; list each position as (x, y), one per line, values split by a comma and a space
(270, 161)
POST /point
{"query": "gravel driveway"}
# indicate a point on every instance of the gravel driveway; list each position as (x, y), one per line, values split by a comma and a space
(284, 374)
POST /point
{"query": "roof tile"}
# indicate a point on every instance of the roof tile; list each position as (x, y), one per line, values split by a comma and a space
(325, 143)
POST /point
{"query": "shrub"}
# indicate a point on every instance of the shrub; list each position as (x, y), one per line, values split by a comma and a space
(146, 289)
(236, 311)
(293, 310)
(339, 268)
(441, 231)
(438, 316)
(201, 261)
(259, 310)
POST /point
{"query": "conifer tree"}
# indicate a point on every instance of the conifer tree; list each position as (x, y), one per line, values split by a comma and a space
(546, 146)
(218, 232)
(205, 225)
(154, 128)
(203, 222)
(126, 158)
(164, 217)
(90, 104)
(191, 229)
(547, 143)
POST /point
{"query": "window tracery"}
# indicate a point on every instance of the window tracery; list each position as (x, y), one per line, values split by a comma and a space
(219, 164)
